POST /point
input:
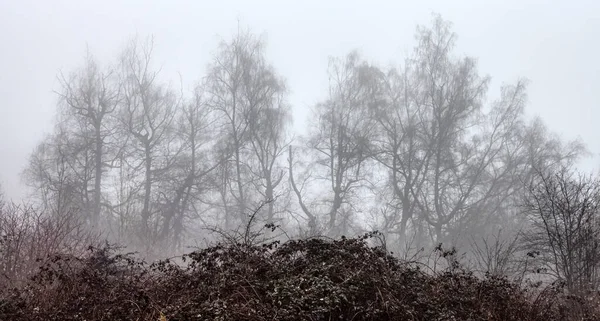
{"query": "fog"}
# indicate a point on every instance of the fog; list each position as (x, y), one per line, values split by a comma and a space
(553, 46)
(160, 124)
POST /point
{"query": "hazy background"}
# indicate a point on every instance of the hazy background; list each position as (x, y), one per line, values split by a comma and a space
(553, 44)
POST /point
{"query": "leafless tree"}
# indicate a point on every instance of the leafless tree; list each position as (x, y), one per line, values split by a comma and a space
(187, 185)
(52, 172)
(449, 97)
(454, 166)
(148, 112)
(249, 97)
(268, 141)
(90, 97)
(340, 139)
(414, 147)
(69, 166)
(400, 151)
(562, 207)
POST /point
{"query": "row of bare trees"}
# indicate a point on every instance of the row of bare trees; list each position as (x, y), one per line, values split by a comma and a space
(135, 157)
(412, 150)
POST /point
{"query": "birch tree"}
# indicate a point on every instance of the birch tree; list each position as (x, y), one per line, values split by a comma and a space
(90, 97)
(340, 140)
(147, 115)
(247, 94)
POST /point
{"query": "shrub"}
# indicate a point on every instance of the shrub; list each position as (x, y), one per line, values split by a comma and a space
(311, 279)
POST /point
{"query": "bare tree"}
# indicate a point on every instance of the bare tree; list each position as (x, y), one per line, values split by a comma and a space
(341, 136)
(414, 147)
(244, 90)
(424, 130)
(454, 166)
(90, 98)
(311, 219)
(72, 162)
(268, 143)
(147, 114)
(401, 151)
(449, 98)
(52, 172)
(187, 184)
(562, 207)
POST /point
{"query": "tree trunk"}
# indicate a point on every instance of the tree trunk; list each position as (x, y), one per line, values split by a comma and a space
(147, 191)
(241, 200)
(98, 177)
(269, 195)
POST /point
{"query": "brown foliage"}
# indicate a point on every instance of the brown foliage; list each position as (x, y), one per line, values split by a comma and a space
(312, 279)
(28, 237)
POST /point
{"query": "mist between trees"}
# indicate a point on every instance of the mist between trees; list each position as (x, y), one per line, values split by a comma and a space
(414, 151)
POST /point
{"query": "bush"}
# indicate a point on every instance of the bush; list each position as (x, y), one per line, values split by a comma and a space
(28, 237)
(312, 279)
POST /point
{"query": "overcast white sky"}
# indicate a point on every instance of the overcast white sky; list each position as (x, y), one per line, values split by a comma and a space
(555, 44)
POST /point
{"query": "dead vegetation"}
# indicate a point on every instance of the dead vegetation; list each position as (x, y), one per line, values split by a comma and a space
(311, 279)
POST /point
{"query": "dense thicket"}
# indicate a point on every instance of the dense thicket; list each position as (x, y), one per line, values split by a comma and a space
(310, 279)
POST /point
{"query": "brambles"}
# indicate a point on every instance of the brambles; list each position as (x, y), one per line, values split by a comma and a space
(310, 279)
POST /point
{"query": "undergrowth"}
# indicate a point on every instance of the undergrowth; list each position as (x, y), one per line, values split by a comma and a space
(311, 279)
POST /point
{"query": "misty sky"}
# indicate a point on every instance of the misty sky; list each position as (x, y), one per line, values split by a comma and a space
(557, 47)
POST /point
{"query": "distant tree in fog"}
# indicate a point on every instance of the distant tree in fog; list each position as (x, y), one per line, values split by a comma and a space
(339, 142)
(248, 99)
(91, 98)
(49, 175)
(454, 165)
(147, 116)
(80, 151)
(415, 147)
